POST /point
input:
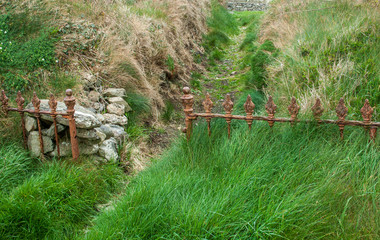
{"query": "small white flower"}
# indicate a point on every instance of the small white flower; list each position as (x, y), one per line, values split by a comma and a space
(1, 48)
(56, 61)
(43, 59)
(5, 32)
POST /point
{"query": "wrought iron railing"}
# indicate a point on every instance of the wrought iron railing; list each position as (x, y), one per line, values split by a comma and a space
(69, 114)
(270, 107)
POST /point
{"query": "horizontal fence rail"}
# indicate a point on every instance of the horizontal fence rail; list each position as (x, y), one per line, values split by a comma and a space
(271, 107)
(69, 114)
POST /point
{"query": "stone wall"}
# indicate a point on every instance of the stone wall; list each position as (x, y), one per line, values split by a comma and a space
(98, 135)
(247, 5)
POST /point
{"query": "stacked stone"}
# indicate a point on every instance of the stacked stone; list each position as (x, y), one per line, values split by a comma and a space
(98, 134)
(247, 5)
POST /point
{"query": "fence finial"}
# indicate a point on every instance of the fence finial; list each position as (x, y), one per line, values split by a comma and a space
(208, 105)
(20, 106)
(4, 101)
(228, 107)
(53, 103)
(249, 108)
(293, 109)
(187, 102)
(20, 101)
(271, 110)
(341, 112)
(366, 112)
(317, 110)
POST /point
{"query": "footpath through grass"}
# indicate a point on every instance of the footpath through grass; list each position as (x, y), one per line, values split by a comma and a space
(294, 183)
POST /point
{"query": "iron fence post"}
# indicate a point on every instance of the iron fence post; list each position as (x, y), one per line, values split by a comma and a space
(70, 104)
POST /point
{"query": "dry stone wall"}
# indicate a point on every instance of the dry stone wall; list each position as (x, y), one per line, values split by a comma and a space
(98, 134)
(247, 5)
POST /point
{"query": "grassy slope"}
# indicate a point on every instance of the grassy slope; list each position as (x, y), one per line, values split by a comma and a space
(329, 52)
(299, 182)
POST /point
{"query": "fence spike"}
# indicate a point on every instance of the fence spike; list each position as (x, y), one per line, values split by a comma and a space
(317, 110)
(36, 104)
(366, 112)
(341, 112)
(228, 107)
(293, 109)
(4, 101)
(20, 106)
(208, 105)
(53, 109)
(187, 103)
(249, 107)
(53, 103)
(271, 110)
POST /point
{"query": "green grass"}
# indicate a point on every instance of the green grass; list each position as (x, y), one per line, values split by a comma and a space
(292, 183)
(334, 55)
(16, 165)
(53, 200)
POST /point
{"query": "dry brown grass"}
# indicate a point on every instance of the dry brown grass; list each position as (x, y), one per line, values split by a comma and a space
(135, 42)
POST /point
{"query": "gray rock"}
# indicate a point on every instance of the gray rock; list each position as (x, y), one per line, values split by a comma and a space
(114, 92)
(50, 132)
(91, 134)
(30, 123)
(83, 117)
(115, 108)
(34, 144)
(115, 119)
(118, 133)
(94, 96)
(100, 117)
(108, 150)
(88, 149)
(64, 149)
(107, 130)
(120, 101)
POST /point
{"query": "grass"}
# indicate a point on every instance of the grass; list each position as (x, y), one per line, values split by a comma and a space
(292, 183)
(53, 200)
(332, 54)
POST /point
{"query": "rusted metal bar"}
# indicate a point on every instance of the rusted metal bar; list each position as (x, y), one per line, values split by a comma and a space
(262, 118)
(228, 107)
(63, 114)
(249, 108)
(70, 104)
(208, 105)
(53, 109)
(20, 104)
(341, 111)
(36, 104)
(187, 102)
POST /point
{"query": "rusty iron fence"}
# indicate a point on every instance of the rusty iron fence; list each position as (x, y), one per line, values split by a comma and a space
(69, 101)
(249, 107)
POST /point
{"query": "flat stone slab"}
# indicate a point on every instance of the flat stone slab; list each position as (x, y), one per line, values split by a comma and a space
(83, 118)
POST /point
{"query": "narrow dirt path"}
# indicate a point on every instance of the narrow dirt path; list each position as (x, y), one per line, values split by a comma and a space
(226, 75)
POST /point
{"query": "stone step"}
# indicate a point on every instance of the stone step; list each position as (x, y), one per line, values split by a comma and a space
(247, 5)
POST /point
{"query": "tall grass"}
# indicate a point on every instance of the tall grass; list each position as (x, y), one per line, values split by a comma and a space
(16, 165)
(51, 201)
(332, 53)
(292, 183)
